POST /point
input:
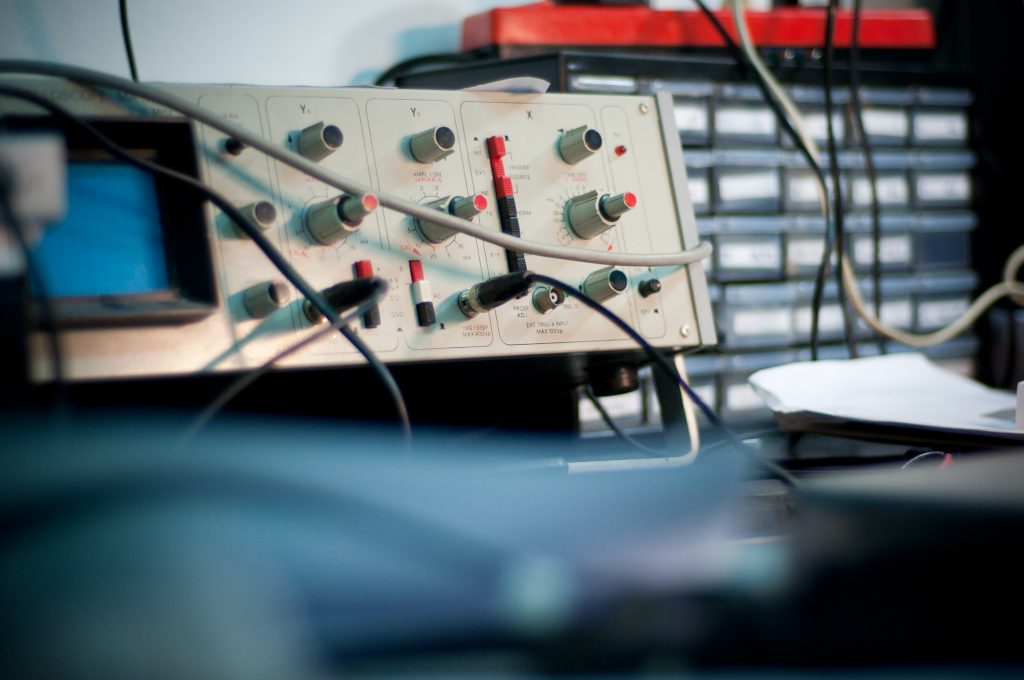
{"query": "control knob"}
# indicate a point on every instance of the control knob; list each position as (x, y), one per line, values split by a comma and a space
(330, 221)
(433, 145)
(592, 213)
(649, 287)
(262, 299)
(234, 146)
(578, 144)
(605, 283)
(319, 140)
(261, 213)
(466, 207)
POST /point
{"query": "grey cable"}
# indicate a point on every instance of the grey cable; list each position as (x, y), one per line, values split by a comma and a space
(97, 78)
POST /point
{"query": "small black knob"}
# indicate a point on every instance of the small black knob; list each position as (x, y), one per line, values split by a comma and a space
(650, 287)
(234, 146)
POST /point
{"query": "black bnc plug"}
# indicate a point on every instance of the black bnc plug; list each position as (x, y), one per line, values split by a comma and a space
(493, 292)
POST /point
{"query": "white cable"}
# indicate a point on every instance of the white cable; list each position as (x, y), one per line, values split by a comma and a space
(740, 20)
(1009, 286)
(97, 78)
(690, 410)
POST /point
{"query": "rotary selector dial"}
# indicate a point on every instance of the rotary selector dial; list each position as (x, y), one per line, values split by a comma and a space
(330, 221)
(433, 145)
(579, 143)
(466, 207)
(592, 213)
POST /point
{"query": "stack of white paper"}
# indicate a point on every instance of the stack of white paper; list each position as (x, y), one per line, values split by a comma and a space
(897, 389)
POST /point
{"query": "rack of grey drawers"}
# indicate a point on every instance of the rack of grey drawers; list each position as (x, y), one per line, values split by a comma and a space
(756, 200)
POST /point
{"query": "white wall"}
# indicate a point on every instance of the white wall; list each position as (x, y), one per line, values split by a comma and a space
(282, 42)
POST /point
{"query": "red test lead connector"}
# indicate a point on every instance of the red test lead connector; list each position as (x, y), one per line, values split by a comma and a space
(364, 270)
(422, 296)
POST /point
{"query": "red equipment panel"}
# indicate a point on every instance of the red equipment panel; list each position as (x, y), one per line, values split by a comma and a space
(574, 25)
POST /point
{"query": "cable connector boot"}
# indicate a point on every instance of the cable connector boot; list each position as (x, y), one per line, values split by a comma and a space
(493, 292)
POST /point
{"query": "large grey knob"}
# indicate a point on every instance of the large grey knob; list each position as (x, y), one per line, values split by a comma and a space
(432, 145)
(261, 213)
(592, 213)
(605, 283)
(579, 143)
(319, 141)
(330, 221)
(264, 298)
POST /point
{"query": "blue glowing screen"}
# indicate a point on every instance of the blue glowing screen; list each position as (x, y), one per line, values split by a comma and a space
(110, 243)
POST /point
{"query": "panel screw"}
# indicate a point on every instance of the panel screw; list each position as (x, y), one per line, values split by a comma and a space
(645, 109)
(684, 330)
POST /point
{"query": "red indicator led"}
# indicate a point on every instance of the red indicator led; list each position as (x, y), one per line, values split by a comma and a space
(620, 150)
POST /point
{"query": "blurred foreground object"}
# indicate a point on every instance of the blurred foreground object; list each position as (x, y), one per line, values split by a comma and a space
(288, 549)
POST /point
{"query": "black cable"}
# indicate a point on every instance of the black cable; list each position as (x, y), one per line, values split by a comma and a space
(380, 287)
(837, 189)
(404, 67)
(250, 229)
(614, 426)
(787, 126)
(669, 370)
(1010, 369)
(127, 36)
(734, 49)
(47, 315)
(869, 159)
